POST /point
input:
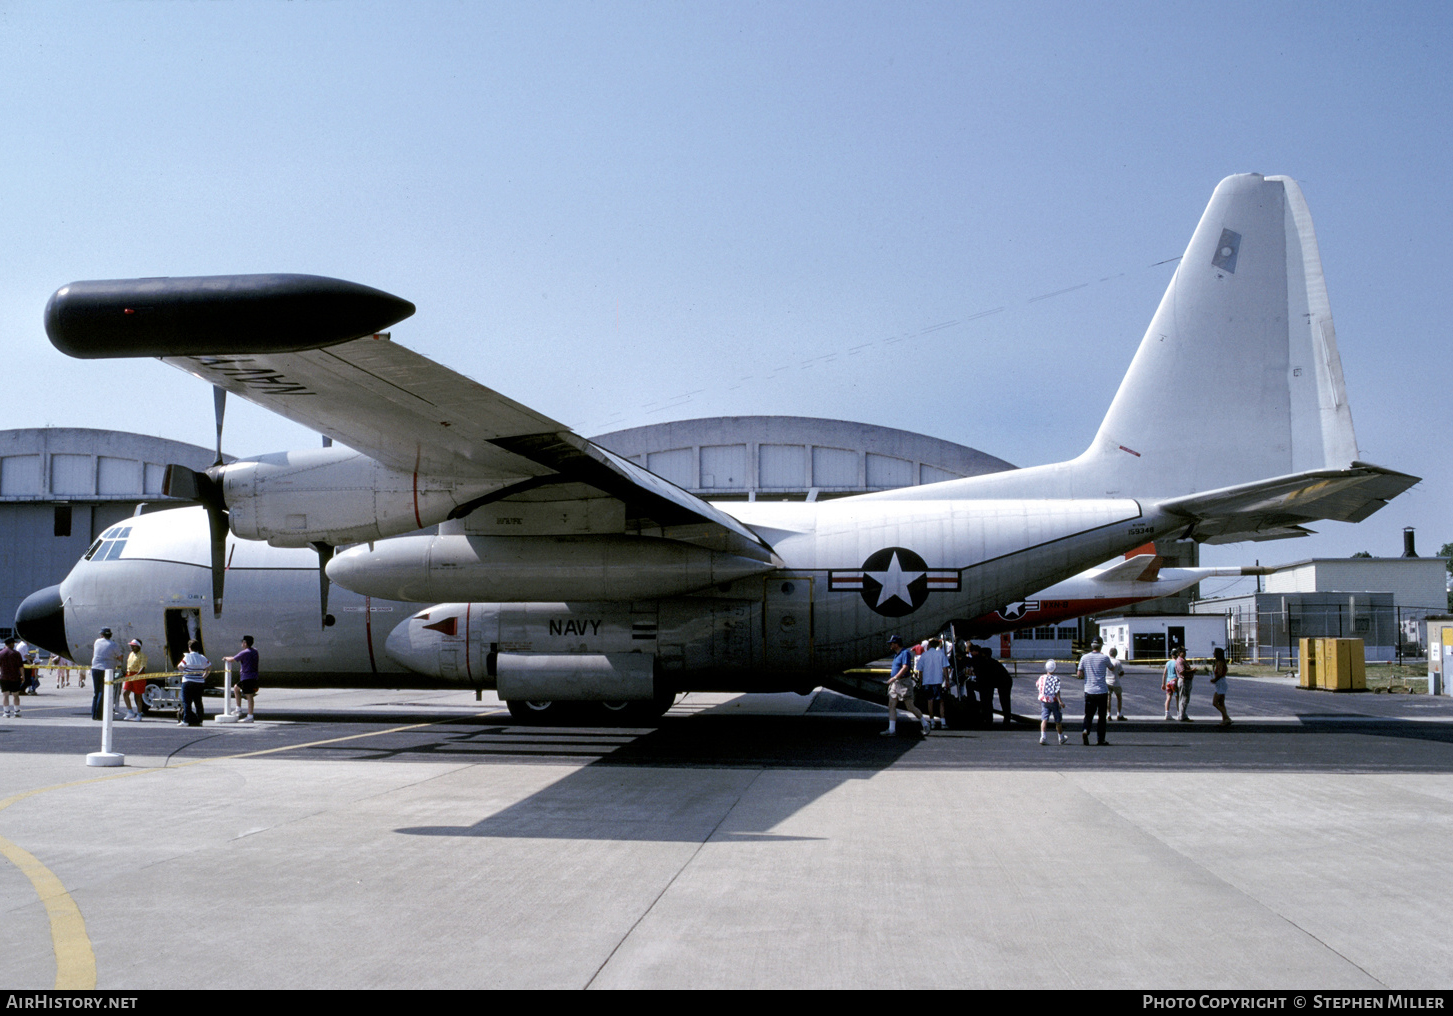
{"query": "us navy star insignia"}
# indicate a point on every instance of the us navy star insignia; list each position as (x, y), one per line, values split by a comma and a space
(895, 581)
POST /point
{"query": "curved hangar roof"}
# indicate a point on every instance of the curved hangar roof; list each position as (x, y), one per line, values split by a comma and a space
(729, 457)
(80, 464)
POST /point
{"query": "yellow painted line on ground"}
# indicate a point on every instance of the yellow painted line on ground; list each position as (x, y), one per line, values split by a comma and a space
(75, 959)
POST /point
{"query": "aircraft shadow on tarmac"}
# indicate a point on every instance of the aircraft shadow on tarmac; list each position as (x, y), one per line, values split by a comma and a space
(676, 782)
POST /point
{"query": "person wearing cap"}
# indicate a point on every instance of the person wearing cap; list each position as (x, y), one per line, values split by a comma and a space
(1050, 703)
(105, 655)
(900, 686)
(1092, 669)
(12, 678)
(132, 689)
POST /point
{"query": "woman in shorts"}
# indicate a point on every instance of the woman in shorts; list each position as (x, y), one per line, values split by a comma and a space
(1114, 671)
(135, 685)
(1218, 684)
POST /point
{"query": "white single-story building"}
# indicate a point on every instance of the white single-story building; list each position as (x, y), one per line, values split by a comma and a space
(1154, 636)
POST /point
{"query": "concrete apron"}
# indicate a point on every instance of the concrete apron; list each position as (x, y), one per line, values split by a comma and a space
(275, 872)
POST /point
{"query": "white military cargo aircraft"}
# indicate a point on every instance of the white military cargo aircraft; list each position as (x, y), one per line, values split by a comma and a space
(561, 572)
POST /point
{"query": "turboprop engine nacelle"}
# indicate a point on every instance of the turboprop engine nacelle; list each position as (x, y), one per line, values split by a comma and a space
(551, 651)
(334, 496)
(515, 569)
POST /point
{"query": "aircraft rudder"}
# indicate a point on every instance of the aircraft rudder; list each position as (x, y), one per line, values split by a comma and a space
(1237, 378)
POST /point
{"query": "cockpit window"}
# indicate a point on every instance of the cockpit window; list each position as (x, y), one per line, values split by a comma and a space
(104, 549)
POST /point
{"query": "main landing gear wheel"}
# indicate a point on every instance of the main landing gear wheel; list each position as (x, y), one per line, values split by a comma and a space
(530, 711)
(633, 714)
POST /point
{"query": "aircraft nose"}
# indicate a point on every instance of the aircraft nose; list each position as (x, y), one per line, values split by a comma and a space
(41, 621)
(411, 645)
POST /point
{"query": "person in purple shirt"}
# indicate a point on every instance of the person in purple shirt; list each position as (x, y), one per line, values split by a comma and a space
(246, 661)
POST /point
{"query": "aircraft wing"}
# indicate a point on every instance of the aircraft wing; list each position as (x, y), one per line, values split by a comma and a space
(308, 349)
(413, 414)
(1277, 508)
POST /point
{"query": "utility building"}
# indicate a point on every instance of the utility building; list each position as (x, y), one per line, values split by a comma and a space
(1382, 600)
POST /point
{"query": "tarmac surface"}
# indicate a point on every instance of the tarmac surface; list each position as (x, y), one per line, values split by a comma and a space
(356, 839)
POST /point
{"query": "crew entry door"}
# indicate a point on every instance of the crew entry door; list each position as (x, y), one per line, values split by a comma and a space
(182, 625)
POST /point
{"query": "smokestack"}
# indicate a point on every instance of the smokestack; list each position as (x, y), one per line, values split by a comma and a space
(1408, 549)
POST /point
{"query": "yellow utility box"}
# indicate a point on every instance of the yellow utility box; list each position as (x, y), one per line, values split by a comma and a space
(1307, 670)
(1342, 665)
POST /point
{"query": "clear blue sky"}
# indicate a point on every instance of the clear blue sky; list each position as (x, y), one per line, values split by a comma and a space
(626, 213)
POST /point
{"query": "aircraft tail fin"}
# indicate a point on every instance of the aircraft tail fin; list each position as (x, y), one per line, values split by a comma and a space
(1237, 378)
(1233, 413)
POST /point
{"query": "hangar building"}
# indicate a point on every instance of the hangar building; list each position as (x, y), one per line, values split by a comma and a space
(60, 487)
(793, 457)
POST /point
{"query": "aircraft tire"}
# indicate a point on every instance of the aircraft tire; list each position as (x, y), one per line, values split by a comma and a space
(633, 714)
(148, 695)
(526, 711)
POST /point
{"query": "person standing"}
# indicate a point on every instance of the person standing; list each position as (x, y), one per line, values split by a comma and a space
(1092, 669)
(30, 674)
(900, 686)
(1113, 673)
(1168, 681)
(246, 661)
(1184, 673)
(105, 655)
(132, 689)
(931, 666)
(1218, 685)
(995, 678)
(1050, 703)
(12, 678)
(194, 667)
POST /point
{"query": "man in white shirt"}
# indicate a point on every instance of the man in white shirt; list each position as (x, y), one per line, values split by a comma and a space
(1091, 670)
(932, 665)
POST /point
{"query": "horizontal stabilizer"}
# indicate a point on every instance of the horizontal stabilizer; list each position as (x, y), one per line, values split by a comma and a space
(1277, 508)
(1132, 569)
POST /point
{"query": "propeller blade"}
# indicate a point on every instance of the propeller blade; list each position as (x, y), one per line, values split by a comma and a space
(325, 554)
(217, 523)
(219, 407)
(190, 485)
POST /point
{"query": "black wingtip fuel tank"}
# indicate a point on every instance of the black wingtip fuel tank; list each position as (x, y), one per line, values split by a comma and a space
(215, 314)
